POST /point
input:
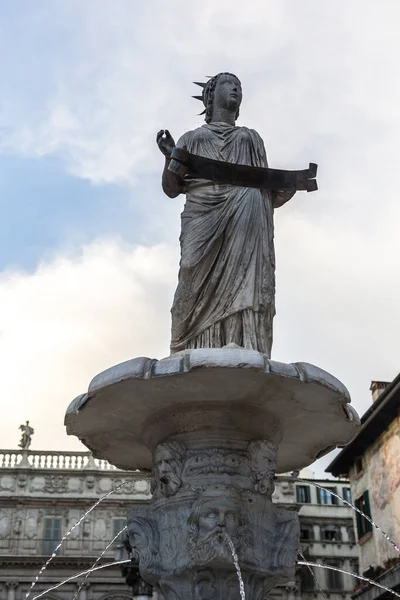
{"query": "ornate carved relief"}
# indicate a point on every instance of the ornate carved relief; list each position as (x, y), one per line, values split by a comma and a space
(180, 540)
(210, 519)
(55, 484)
(5, 525)
(127, 489)
(90, 482)
(100, 534)
(7, 483)
(30, 529)
(37, 484)
(167, 469)
(263, 465)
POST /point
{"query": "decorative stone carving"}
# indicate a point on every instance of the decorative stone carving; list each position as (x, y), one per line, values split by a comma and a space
(37, 483)
(263, 465)
(210, 519)
(11, 587)
(90, 482)
(144, 541)
(216, 463)
(168, 466)
(5, 525)
(55, 484)
(99, 534)
(128, 488)
(30, 529)
(216, 423)
(22, 480)
(181, 542)
(7, 483)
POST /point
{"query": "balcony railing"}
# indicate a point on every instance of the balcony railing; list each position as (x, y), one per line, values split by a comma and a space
(47, 459)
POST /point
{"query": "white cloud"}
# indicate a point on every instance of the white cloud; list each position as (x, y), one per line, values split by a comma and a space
(72, 318)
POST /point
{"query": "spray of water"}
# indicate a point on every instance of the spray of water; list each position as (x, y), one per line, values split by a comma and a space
(29, 592)
(314, 577)
(236, 563)
(97, 560)
(371, 581)
(91, 570)
(357, 510)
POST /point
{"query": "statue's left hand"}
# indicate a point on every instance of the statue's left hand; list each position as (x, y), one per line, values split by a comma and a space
(165, 142)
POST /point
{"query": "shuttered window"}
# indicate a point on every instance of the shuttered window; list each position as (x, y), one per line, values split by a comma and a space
(363, 526)
(52, 534)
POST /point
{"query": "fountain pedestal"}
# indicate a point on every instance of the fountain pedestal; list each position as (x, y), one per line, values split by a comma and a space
(214, 425)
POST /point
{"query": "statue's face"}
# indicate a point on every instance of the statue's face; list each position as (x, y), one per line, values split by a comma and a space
(263, 458)
(228, 93)
(137, 538)
(168, 469)
(220, 514)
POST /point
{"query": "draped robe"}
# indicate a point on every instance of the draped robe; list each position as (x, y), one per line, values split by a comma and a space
(226, 284)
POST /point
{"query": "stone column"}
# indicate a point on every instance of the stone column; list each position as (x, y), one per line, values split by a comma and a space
(11, 587)
(83, 591)
(206, 494)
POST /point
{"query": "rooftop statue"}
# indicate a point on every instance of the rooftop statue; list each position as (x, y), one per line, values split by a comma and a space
(26, 439)
(226, 288)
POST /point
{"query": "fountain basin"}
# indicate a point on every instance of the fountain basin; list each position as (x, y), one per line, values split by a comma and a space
(229, 393)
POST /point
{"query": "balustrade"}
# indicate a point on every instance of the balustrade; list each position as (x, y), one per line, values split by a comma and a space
(43, 459)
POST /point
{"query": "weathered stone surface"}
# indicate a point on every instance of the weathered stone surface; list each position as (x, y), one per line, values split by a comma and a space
(200, 498)
(214, 425)
(129, 409)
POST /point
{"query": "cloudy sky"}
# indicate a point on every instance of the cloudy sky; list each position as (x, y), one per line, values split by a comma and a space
(89, 253)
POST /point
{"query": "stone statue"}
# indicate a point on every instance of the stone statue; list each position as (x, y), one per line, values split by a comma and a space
(26, 438)
(226, 288)
(168, 465)
(263, 465)
(209, 519)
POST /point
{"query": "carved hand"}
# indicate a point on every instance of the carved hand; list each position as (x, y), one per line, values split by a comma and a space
(165, 142)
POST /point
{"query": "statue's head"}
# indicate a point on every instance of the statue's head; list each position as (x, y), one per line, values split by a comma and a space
(168, 465)
(142, 538)
(210, 519)
(224, 91)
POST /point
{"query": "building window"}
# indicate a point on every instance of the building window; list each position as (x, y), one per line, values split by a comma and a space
(334, 579)
(351, 534)
(306, 533)
(355, 568)
(358, 465)
(303, 494)
(325, 497)
(52, 534)
(307, 579)
(330, 534)
(119, 524)
(346, 494)
(363, 526)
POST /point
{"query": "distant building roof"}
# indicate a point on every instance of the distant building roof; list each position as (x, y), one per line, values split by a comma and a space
(374, 422)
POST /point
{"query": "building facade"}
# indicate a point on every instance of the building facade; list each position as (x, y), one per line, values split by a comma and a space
(372, 463)
(326, 534)
(44, 494)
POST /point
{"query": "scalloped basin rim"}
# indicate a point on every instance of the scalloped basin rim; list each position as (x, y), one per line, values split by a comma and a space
(310, 404)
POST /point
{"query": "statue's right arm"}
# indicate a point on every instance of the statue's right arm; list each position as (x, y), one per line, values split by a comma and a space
(172, 183)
